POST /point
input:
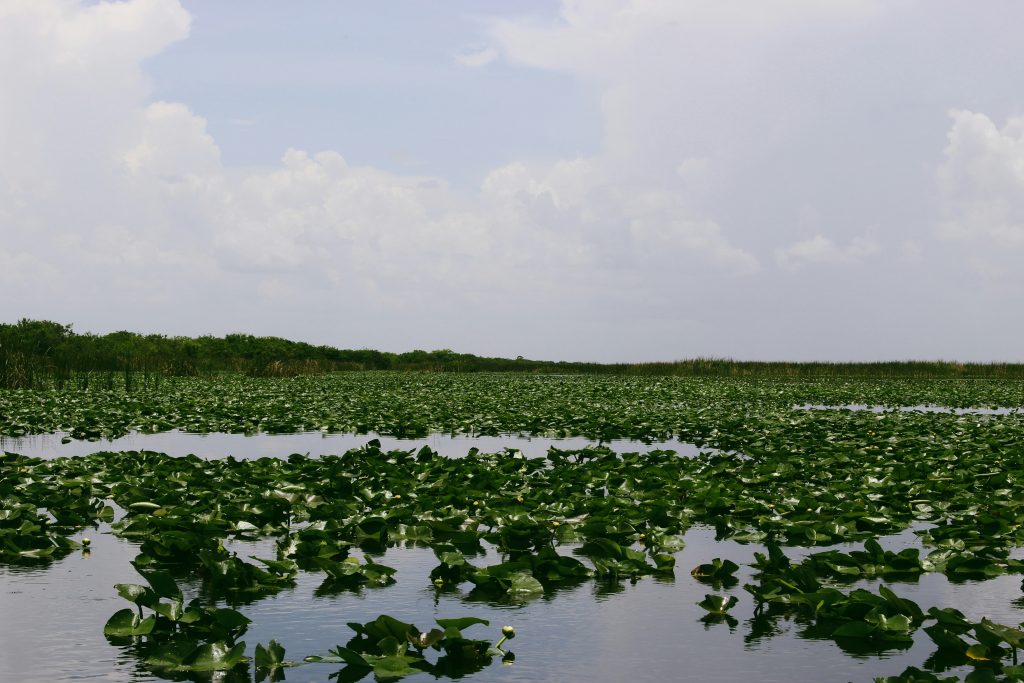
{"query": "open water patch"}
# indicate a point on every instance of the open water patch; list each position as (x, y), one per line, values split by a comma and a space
(864, 407)
(250, 446)
(53, 616)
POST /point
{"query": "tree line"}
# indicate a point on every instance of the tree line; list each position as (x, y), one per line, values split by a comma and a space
(41, 352)
(36, 353)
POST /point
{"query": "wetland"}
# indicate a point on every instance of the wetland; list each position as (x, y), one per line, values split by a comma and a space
(788, 542)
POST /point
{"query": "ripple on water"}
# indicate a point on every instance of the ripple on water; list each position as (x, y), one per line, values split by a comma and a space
(53, 619)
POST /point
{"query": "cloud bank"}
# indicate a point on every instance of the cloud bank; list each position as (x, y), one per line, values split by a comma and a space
(114, 181)
(117, 210)
(982, 180)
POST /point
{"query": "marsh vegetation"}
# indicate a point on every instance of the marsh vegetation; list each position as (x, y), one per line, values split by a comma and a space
(868, 534)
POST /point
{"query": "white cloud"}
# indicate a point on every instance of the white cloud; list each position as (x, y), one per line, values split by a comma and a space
(19, 267)
(476, 58)
(118, 182)
(910, 251)
(664, 66)
(720, 140)
(982, 180)
(173, 145)
(599, 37)
(663, 227)
(821, 250)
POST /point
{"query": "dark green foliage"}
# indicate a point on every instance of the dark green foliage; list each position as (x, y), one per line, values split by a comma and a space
(391, 649)
(178, 636)
(718, 572)
(769, 475)
(756, 418)
(37, 353)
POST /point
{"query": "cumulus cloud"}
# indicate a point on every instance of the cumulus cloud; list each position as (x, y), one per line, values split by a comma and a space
(72, 82)
(982, 180)
(173, 145)
(821, 250)
(19, 267)
(117, 181)
(124, 205)
(602, 38)
(677, 58)
(480, 57)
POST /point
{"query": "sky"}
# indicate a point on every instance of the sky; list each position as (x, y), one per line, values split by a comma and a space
(608, 180)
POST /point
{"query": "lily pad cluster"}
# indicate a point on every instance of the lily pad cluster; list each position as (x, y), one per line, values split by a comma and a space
(176, 636)
(37, 516)
(391, 648)
(719, 413)
(833, 481)
(862, 621)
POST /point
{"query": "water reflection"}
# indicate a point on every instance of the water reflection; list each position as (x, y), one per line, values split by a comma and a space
(53, 617)
(252, 446)
(863, 407)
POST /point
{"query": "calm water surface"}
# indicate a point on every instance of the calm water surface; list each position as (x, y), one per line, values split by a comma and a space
(857, 407)
(51, 618)
(244, 446)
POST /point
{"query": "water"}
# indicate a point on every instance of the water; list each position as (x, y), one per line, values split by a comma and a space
(51, 618)
(858, 407)
(245, 446)
(52, 622)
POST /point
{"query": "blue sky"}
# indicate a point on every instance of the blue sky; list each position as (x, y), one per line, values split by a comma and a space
(380, 81)
(573, 179)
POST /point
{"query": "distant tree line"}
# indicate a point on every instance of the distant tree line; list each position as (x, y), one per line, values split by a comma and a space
(41, 352)
(35, 353)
